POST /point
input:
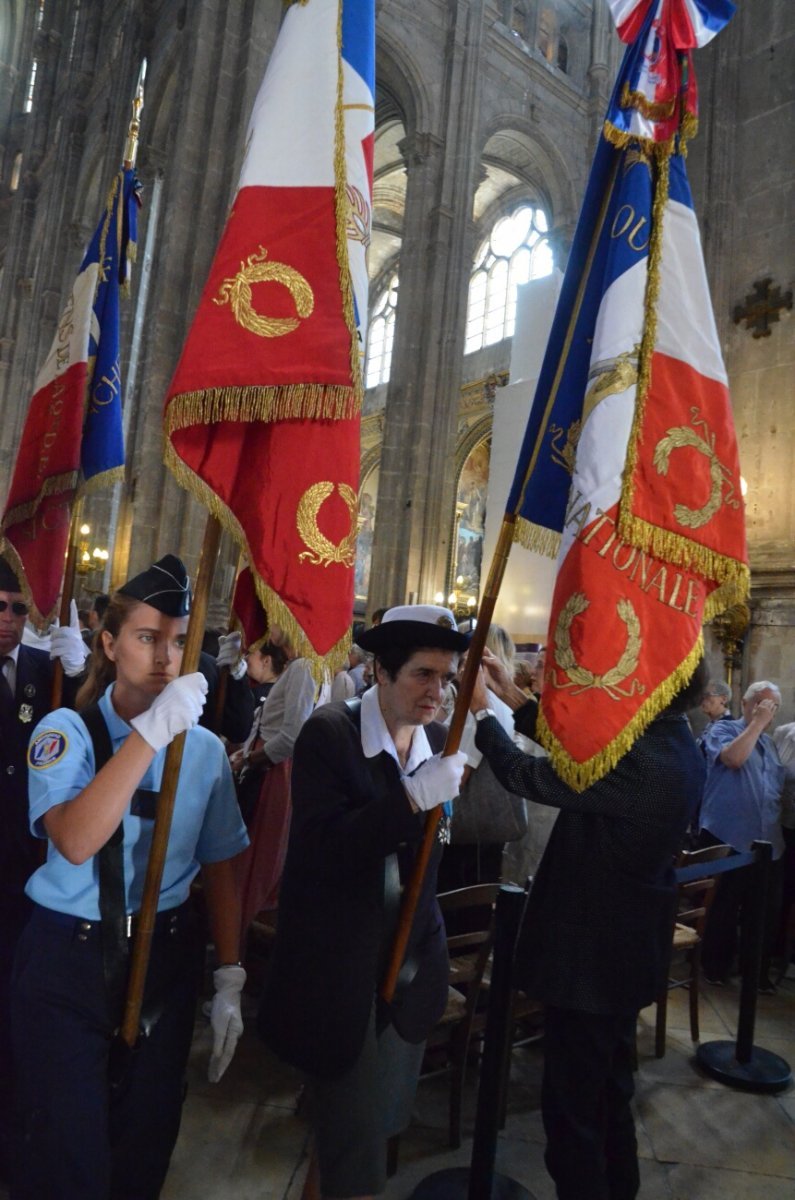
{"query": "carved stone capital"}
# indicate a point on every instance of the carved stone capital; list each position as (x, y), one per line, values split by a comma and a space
(419, 148)
(79, 233)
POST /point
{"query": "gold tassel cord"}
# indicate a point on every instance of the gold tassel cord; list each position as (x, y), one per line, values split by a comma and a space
(537, 538)
(581, 775)
(118, 183)
(646, 347)
(297, 401)
(277, 611)
(733, 591)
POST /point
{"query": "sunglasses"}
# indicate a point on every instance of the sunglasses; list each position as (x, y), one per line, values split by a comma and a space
(17, 607)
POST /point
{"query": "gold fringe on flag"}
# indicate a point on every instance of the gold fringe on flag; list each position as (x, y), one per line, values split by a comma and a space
(277, 611)
(51, 487)
(295, 401)
(102, 479)
(620, 138)
(674, 548)
(648, 108)
(581, 775)
(537, 538)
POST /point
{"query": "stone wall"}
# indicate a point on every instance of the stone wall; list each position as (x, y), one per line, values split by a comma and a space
(486, 110)
(742, 167)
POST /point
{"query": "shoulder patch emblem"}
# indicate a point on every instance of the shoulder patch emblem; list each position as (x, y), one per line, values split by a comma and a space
(47, 748)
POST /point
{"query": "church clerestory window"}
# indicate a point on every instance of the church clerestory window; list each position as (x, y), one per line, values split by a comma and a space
(516, 250)
(381, 335)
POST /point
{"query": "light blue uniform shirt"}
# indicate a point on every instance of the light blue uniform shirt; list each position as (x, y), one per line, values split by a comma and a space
(206, 828)
(742, 804)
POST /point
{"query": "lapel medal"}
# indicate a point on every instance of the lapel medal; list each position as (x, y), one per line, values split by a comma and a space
(30, 691)
(26, 712)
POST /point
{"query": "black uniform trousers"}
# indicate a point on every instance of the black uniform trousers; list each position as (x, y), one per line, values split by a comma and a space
(14, 914)
(83, 1140)
(587, 1087)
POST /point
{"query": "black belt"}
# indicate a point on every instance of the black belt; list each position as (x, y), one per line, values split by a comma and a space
(170, 920)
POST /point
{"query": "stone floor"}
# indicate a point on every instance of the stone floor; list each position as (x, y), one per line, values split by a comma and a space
(699, 1140)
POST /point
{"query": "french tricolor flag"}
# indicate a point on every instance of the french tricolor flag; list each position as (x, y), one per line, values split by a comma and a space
(629, 468)
(262, 416)
(659, 98)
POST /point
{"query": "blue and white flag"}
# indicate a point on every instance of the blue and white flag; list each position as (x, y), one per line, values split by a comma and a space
(112, 249)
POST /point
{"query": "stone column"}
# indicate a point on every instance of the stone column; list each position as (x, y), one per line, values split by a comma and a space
(195, 144)
(414, 520)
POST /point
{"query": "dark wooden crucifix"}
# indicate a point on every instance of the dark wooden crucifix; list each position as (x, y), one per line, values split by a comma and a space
(762, 307)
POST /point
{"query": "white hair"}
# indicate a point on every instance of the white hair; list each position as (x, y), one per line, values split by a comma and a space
(718, 688)
(761, 685)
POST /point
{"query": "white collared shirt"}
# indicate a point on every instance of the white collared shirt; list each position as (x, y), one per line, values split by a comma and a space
(376, 737)
(503, 714)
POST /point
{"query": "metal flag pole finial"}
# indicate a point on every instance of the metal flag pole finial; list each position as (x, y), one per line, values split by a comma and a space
(131, 145)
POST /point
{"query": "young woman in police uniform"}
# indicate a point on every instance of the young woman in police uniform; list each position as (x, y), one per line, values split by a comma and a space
(86, 1138)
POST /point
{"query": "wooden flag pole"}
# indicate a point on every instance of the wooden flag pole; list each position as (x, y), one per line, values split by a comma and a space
(142, 943)
(485, 613)
(223, 674)
(67, 588)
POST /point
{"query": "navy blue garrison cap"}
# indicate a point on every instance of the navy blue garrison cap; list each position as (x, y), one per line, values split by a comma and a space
(165, 586)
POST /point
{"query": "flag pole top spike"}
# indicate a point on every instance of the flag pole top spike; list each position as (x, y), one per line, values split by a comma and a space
(131, 145)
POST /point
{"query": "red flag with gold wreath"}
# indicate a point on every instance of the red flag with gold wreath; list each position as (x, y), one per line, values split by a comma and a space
(262, 417)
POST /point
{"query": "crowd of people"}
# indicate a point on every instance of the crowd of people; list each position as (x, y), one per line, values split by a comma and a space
(310, 802)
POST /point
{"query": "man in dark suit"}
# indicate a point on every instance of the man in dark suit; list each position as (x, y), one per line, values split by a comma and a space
(363, 774)
(595, 943)
(25, 691)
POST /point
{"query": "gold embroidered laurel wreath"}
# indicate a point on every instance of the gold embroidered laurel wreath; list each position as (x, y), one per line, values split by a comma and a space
(581, 677)
(236, 291)
(321, 550)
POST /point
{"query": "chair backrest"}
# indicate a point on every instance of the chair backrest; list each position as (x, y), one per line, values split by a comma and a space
(470, 935)
(695, 896)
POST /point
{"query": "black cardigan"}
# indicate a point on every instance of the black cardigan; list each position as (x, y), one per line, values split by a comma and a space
(596, 936)
(325, 963)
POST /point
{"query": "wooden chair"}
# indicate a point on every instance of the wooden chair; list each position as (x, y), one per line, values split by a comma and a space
(693, 903)
(465, 1014)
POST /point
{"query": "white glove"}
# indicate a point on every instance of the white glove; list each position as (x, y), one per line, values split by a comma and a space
(176, 709)
(66, 643)
(229, 654)
(225, 1018)
(437, 780)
